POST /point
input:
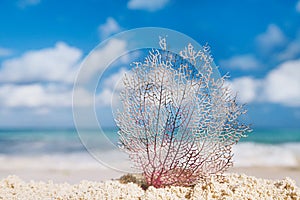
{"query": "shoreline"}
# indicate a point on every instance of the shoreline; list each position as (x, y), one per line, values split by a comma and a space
(272, 173)
(104, 174)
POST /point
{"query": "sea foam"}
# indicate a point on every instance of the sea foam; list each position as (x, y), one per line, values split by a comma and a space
(267, 155)
(245, 155)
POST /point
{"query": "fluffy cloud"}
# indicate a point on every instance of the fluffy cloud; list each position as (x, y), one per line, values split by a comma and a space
(281, 85)
(114, 82)
(43, 97)
(34, 96)
(245, 88)
(109, 94)
(152, 5)
(292, 50)
(100, 58)
(39, 82)
(104, 98)
(243, 62)
(110, 27)
(51, 64)
(40, 79)
(272, 38)
(112, 87)
(5, 52)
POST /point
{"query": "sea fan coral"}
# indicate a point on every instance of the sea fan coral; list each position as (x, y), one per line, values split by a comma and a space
(178, 122)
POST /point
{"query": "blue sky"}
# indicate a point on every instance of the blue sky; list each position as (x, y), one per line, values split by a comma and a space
(43, 42)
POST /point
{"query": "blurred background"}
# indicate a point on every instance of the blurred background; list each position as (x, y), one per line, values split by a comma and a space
(43, 42)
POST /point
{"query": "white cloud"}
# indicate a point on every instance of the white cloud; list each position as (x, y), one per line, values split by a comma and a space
(281, 85)
(41, 80)
(148, 5)
(112, 87)
(34, 96)
(99, 59)
(109, 94)
(110, 27)
(243, 62)
(272, 38)
(5, 52)
(246, 88)
(114, 82)
(86, 97)
(292, 50)
(58, 63)
(104, 98)
(42, 97)
(25, 3)
(298, 6)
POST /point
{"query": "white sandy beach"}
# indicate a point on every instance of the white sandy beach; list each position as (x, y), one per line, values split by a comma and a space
(232, 186)
(259, 183)
(103, 174)
(73, 168)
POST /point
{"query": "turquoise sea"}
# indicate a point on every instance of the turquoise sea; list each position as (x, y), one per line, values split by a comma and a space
(262, 147)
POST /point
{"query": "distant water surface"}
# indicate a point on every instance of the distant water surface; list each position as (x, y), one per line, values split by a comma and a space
(68, 141)
(261, 147)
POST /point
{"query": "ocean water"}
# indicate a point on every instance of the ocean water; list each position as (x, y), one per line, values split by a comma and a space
(63, 149)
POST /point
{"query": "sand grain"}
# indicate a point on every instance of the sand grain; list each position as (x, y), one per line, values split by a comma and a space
(232, 186)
